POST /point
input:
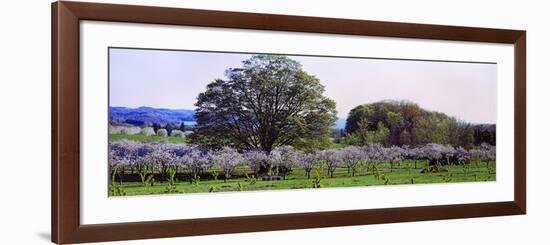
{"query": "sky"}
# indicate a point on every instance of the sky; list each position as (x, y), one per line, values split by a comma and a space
(173, 79)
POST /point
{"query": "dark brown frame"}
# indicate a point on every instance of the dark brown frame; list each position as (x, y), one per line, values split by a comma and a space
(66, 227)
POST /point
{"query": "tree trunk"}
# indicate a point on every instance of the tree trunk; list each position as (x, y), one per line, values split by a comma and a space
(120, 176)
(152, 175)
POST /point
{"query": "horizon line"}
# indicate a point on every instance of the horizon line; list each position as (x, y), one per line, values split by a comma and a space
(344, 118)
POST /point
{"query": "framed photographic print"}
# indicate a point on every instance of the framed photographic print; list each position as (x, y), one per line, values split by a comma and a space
(177, 122)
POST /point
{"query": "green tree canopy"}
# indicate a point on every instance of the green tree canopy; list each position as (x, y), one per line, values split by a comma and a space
(268, 102)
(408, 124)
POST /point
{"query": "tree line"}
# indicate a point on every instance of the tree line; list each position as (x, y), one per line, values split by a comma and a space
(164, 161)
(404, 123)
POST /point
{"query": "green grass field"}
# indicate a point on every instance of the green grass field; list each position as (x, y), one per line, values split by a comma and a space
(297, 179)
(144, 138)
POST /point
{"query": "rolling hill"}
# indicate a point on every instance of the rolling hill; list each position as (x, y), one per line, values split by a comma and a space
(148, 115)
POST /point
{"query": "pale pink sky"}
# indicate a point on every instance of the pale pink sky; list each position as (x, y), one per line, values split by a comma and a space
(173, 79)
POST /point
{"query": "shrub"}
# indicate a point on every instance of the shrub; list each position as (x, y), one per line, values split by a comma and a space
(148, 131)
(316, 183)
(177, 133)
(162, 132)
(114, 129)
(130, 130)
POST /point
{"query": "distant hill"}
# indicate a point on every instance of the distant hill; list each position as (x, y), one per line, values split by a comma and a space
(148, 115)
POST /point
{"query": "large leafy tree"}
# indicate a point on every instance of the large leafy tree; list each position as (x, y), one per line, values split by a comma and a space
(270, 101)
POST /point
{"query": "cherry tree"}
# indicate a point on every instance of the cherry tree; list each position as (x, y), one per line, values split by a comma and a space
(256, 159)
(193, 159)
(227, 159)
(352, 156)
(117, 162)
(331, 158)
(462, 155)
(131, 154)
(164, 159)
(305, 161)
(416, 154)
(448, 152)
(282, 158)
(126, 154)
(485, 153)
(392, 155)
(434, 152)
(375, 156)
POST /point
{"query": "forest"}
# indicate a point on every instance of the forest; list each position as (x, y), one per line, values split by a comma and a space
(405, 123)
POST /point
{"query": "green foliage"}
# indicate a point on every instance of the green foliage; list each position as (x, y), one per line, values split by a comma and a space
(114, 189)
(385, 179)
(374, 171)
(311, 144)
(196, 180)
(272, 171)
(240, 186)
(215, 173)
(171, 189)
(270, 101)
(365, 136)
(251, 180)
(403, 123)
(171, 174)
(316, 183)
(171, 184)
(144, 175)
(356, 115)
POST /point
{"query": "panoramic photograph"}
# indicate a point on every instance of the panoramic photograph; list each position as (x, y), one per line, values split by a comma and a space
(202, 122)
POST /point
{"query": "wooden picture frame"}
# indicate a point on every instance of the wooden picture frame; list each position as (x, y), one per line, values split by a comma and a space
(66, 226)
